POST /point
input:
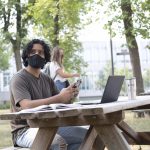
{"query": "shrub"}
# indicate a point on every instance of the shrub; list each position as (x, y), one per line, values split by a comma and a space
(5, 105)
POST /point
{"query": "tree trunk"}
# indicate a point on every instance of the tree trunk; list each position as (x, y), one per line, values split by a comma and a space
(132, 44)
(18, 60)
(16, 43)
(16, 50)
(56, 26)
(19, 23)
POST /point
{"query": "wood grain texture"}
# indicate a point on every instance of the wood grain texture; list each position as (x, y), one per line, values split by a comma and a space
(44, 138)
(103, 117)
(112, 137)
(92, 141)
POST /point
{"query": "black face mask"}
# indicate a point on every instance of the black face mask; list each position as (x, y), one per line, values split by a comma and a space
(36, 61)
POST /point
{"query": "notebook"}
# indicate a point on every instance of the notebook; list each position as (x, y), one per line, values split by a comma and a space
(111, 91)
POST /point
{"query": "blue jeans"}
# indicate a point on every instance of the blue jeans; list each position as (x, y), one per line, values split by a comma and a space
(67, 138)
(60, 85)
(73, 135)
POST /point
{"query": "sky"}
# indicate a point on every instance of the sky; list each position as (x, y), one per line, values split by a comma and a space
(93, 32)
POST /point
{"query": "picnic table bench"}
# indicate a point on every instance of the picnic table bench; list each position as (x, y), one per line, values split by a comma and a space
(140, 113)
(106, 122)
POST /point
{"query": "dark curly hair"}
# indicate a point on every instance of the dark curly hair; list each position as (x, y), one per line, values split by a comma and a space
(29, 46)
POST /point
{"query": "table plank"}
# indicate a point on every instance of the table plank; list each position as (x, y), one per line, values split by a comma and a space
(86, 110)
(117, 106)
(9, 116)
(80, 120)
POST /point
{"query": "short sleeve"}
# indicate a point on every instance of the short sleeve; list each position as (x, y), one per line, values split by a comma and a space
(19, 89)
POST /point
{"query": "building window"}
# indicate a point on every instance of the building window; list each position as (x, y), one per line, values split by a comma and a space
(6, 79)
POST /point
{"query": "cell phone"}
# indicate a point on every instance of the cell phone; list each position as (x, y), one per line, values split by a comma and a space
(77, 84)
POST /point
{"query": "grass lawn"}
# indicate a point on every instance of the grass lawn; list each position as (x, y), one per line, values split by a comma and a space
(5, 132)
(139, 124)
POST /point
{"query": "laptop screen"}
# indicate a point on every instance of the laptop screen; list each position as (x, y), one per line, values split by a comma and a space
(112, 89)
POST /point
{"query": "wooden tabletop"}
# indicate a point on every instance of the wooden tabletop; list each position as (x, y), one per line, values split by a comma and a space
(83, 110)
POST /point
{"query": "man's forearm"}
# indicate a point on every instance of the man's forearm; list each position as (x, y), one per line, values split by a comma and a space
(26, 103)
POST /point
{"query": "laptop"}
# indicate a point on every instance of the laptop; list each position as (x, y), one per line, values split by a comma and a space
(111, 91)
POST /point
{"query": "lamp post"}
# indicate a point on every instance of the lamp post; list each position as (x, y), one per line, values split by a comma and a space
(111, 48)
(124, 53)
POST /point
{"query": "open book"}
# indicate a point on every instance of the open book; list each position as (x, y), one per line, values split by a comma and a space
(50, 107)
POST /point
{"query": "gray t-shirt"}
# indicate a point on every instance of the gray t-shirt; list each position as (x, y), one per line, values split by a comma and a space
(24, 85)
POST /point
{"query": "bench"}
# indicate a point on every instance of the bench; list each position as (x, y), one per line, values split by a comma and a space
(141, 113)
(14, 148)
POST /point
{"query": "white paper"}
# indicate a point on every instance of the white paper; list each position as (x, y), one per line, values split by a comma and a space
(49, 107)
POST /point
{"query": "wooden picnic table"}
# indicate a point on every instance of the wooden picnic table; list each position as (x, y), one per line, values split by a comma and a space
(106, 121)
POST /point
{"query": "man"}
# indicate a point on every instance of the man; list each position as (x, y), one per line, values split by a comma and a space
(30, 88)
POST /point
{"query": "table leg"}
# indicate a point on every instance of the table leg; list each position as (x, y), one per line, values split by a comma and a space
(44, 138)
(92, 141)
(112, 137)
(98, 144)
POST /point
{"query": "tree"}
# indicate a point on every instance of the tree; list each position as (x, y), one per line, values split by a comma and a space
(4, 56)
(132, 19)
(14, 23)
(59, 21)
(132, 43)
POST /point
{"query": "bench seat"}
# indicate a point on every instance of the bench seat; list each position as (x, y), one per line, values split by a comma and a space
(140, 113)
